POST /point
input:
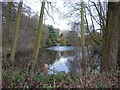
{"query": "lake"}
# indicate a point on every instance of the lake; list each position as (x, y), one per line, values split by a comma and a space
(65, 54)
(58, 58)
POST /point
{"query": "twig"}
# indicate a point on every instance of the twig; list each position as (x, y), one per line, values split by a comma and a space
(81, 81)
(49, 15)
(54, 83)
(53, 7)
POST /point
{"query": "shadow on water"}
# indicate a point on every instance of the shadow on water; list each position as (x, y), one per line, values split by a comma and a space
(59, 58)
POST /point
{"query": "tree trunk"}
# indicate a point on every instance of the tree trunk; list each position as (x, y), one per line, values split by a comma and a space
(0, 46)
(110, 37)
(118, 62)
(38, 37)
(16, 30)
(6, 32)
(84, 61)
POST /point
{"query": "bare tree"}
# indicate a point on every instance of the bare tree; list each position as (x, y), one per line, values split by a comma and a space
(84, 60)
(16, 30)
(38, 37)
(6, 32)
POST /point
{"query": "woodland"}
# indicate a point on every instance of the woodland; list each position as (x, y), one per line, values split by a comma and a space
(94, 41)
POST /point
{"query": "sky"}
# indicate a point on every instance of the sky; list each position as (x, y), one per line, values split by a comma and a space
(58, 22)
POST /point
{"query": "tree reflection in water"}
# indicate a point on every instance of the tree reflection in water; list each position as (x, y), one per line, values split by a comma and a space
(66, 61)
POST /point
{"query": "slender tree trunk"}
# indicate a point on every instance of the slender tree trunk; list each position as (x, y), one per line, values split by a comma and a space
(38, 37)
(6, 32)
(0, 46)
(118, 61)
(16, 30)
(84, 61)
(110, 37)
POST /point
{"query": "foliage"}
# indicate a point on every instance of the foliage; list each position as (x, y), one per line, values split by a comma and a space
(52, 40)
(61, 39)
(22, 78)
(104, 43)
(101, 85)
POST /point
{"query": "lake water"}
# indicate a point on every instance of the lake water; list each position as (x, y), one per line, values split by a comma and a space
(58, 58)
(62, 48)
(61, 62)
(68, 58)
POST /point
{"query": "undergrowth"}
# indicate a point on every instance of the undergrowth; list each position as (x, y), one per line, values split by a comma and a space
(21, 78)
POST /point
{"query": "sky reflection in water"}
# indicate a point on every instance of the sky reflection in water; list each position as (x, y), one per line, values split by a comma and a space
(60, 64)
(66, 62)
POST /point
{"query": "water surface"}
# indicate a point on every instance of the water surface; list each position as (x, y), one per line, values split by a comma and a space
(61, 48)
(58, 58)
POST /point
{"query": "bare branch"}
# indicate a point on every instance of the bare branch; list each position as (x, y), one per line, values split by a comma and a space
(90, 32)
(53, 7)
(92, 15)
(49, 15)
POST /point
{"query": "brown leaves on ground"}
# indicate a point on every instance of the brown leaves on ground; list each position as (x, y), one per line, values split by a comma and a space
(104, 80)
